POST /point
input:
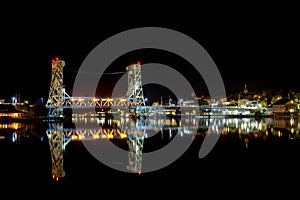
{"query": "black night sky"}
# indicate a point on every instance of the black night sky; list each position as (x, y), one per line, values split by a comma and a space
(252, 45)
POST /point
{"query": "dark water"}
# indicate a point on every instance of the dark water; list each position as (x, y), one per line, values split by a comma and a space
(252, 157)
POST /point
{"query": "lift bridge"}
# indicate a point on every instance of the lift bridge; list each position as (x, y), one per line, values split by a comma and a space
(133, 103)
(59, 99)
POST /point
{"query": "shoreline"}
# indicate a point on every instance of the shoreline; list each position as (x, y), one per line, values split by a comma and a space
(68, 118)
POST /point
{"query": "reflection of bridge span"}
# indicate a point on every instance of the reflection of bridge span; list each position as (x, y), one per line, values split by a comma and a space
(59, 138)
(110, 133)
(121, 128)
(133, 133)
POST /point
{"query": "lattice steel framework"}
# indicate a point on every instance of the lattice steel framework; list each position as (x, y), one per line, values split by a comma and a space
(57, 92)
(57, 145)
(134, 134)
(135, 89)
(135, 150)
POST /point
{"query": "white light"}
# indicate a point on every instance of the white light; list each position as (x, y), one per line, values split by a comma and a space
(14, 137)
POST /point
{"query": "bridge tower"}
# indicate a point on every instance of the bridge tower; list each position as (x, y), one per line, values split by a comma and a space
(135, 95)
(135, 89)
(57, 93)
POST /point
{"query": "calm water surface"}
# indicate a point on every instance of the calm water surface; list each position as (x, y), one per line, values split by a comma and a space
(250, 154)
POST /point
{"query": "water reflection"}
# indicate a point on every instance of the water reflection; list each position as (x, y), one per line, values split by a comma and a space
(140, 136)
(25, 155)
(138, 132)
(15, 132)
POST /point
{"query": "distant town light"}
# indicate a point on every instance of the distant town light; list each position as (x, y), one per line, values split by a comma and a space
(13, 100)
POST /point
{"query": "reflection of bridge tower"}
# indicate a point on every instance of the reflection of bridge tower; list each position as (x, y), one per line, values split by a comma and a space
(57, 92)
(135, 93)
(57, 145)
(135, 143)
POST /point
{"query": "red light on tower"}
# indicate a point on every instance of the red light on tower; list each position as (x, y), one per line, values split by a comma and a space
(138, 62)
(55, 59)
